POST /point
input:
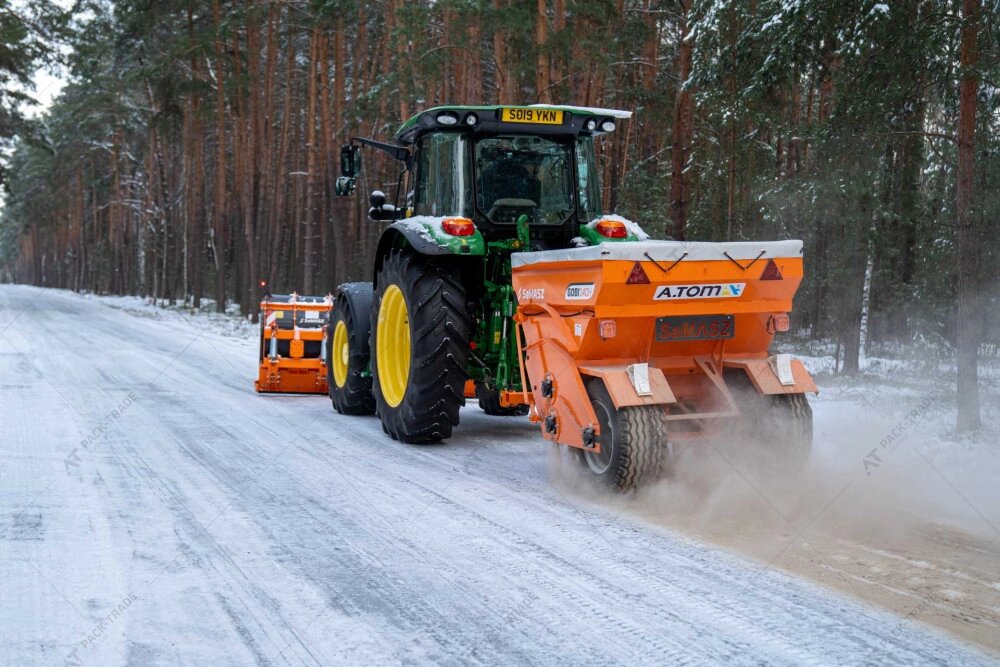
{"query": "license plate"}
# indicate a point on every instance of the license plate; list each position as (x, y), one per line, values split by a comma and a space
(695, 327)
(539, 116)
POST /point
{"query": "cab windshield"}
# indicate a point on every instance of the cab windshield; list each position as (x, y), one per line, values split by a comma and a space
(523, 175)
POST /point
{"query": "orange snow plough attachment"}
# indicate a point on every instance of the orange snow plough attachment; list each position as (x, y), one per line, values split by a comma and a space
(293, 344)
(660, 323)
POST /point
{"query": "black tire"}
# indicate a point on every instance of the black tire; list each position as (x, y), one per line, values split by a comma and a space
(439, 346)
(790, 416)
(489, 402)
(778, 426)
(636, 436)
(352, 305)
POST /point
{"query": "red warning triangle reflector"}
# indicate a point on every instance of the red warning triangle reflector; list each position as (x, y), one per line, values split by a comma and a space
(771, 271)
(638, 276)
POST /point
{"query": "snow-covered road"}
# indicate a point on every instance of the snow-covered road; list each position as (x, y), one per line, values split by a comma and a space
(153, 509)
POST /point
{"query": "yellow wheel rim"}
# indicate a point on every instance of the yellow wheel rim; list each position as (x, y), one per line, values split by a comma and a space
(340, 353)
(392, 353)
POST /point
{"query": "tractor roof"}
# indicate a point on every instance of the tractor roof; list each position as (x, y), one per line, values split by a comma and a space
(531, 119)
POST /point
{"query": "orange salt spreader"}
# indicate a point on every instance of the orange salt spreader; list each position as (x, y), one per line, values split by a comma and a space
(293, 344)
(670, 329)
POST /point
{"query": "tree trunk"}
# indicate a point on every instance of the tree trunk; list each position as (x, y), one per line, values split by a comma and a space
(309, 214)
(506, 86)
(197, 168)
(541, 37)
(402, 66)
(556, 63)
(326, 178)
(792, 167)
(220, 213)
(855, 263)
(279, 198)
(969, 418)
(343, 220)
(683, 115)
(649, 131)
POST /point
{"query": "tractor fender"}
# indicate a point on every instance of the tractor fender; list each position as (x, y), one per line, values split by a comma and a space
(421, 238)
(399, 235)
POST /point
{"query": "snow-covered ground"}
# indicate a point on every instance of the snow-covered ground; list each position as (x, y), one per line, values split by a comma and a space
(153, 509)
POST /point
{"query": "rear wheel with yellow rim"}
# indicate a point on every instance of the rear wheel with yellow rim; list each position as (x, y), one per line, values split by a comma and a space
(393, 334)
(347, 350)
(420, 341)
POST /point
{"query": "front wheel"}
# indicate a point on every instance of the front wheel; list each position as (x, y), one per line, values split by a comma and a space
(348, 356)
(420, 342)
(634, 446)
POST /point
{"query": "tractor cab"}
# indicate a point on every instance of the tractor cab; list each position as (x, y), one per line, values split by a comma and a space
(495, 167)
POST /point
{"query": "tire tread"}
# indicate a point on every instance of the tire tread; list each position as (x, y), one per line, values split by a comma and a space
(439, 326)
(352, 303)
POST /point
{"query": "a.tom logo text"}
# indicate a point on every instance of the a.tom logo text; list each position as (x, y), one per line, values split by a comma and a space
(707, 291)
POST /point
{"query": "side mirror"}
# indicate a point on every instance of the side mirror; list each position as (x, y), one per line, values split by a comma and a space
(350, 167)
(350, 161)
(345, 186)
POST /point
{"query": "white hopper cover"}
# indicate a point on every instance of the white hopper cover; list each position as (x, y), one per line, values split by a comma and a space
(663, 251)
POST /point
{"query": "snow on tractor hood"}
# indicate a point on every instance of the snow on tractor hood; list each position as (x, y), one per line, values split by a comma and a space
(663, 251)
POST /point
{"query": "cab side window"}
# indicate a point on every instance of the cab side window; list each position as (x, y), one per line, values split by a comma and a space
(587, 179)
(443, 187)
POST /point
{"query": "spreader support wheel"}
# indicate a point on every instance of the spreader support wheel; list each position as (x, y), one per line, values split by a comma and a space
(633, 439)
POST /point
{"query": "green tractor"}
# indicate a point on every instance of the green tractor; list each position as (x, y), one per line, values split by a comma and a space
(481, 183)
